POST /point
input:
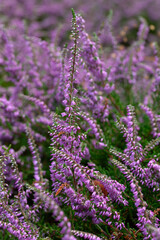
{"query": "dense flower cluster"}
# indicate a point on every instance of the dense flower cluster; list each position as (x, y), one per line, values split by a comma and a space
(62, 103)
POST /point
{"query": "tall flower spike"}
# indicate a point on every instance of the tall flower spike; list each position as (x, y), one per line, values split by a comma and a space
(143, 30)
(3, 185)
(38, 174)
(70, 92)
(110, 30)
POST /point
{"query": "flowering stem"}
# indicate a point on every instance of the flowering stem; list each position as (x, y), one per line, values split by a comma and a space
(75, 36)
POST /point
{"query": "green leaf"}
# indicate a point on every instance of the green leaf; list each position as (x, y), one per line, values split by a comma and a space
(73, 13)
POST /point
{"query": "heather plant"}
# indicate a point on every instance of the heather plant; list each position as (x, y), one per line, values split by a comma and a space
(80, 131)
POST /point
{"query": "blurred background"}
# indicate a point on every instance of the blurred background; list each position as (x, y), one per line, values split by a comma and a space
(50, 19)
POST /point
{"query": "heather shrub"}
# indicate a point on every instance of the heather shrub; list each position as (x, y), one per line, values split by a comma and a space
(80, 129)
